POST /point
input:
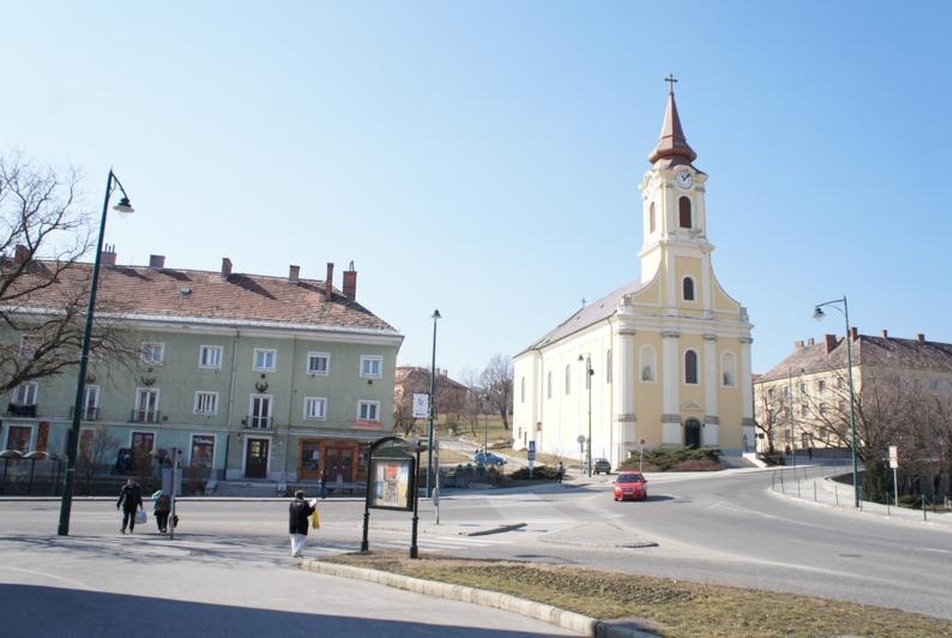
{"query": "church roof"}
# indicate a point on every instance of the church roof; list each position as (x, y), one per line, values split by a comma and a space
(588, 315)
(672, 148)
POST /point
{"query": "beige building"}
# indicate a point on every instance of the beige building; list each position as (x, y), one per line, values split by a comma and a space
(661, 361)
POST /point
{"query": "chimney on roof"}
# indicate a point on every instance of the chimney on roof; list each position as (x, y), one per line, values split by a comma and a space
(830, 343)
(885, 334)
(21, 254)
(156, 262)
(225, 268)
(921, 337)
(854, 335)
(329, 281)
(350, 282)
(798, 345)
(293, 273)
(108, 256)
(811, 341)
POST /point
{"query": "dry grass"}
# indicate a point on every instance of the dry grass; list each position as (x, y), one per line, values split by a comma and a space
(673, 608)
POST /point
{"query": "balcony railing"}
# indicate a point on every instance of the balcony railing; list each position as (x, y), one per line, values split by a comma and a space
(257, 422)
(21, 410)
(87, 414)
(145, 416)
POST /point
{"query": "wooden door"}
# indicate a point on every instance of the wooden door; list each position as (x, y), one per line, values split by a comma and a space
(256, 458)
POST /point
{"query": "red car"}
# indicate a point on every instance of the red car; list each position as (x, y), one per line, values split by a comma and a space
(631, 485)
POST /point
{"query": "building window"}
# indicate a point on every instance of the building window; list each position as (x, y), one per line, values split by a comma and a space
(28, 345)
(18, 438)
(206, 403)
(264, 359)
(690, 367)
(548, 385)
(821, 385)
(318, 363)
(568, 379)
(651, 218)
(687, 288)
(260, 414)
(147, 405)
(153, 352)
(91, 403)
(315, 408)
(608, 367)
(25, 393)
(684, 212)
(370, 366)
(368, 411)
(209, 357)
(522, 390)
(770, 393)
(648, 364)
(840, 383)
(803, 410)
(729, 370)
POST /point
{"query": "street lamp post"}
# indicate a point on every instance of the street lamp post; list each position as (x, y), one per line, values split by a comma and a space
(112, 183)
(429, 447)
(818, 314)
(588, 384)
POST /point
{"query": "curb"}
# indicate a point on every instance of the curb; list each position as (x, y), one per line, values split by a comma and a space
(461, 593)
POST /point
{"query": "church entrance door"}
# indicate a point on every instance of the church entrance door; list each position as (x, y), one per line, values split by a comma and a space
(692, 434)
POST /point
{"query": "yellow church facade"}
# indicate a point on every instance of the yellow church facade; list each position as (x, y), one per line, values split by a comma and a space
(662, 361)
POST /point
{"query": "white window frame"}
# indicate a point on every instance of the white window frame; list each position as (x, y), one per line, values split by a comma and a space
(152, 352)
(206, 403)
(91, 396)
(368, 411)
(371, 366)
(25, 394)
(315, 370)
(264, 420)
(264, 365)
(315, 408)
(210, 357)
(143, 413)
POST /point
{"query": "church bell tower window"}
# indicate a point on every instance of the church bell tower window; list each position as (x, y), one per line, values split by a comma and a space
(651, 218)
(687, 288)
(684, 212)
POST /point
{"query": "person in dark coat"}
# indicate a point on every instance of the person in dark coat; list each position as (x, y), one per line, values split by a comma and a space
(130, 500)
(299, 519)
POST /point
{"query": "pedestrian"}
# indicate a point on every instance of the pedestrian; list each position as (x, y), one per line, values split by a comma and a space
(299, 519)
(323, 492)
(559, 472)
(810, 452)
(161, 509)
(130, 500)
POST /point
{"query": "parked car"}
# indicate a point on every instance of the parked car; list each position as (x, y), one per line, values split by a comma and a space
(630, 485)
(488, 458)
(600, 465)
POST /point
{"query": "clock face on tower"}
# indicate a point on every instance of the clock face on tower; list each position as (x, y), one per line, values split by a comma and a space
(684, 179)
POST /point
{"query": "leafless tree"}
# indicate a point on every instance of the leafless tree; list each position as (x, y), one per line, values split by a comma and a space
(95, 453)
(43, 233)
(496, 380)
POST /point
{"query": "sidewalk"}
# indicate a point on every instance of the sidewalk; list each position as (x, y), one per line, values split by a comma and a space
(815, 484)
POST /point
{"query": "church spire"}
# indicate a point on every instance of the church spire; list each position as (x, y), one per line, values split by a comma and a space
(672, 148)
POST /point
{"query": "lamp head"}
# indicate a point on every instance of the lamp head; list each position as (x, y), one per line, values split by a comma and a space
(818, 313)
(436, 315)
(124, 206)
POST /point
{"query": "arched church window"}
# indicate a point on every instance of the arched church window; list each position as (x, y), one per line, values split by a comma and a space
(687, 288)
(729, 369)
(608, 367)
(522, 390)
(690, 367)
(648, 364)
(684, 212)
(568, 379)
(651, 218)
(548, 385)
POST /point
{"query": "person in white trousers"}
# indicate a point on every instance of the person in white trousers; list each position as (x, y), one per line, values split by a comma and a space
(299, 519)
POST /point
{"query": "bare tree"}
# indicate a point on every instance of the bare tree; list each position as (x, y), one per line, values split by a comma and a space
(95, 452)
(43, 293)
(496, 380)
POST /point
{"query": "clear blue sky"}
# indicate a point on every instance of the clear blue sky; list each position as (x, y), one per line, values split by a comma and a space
(483, 157)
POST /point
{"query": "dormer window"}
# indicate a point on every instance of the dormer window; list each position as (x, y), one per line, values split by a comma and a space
(684, 212)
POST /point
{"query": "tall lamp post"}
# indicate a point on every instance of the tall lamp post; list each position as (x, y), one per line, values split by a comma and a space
(112, 183)
(588, 384)
(818, 314)
(429, 447)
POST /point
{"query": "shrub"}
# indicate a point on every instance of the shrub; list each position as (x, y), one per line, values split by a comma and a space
(665, 459)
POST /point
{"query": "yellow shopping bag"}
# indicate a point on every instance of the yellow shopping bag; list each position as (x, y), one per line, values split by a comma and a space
(315, 519)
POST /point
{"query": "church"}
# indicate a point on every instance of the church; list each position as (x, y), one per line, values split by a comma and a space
(662, 361)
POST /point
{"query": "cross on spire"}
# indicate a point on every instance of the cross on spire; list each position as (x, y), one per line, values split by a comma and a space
(671, 80)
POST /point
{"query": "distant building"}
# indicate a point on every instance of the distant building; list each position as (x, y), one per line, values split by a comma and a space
(451, 396)
(252, 376)
(660, 361)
